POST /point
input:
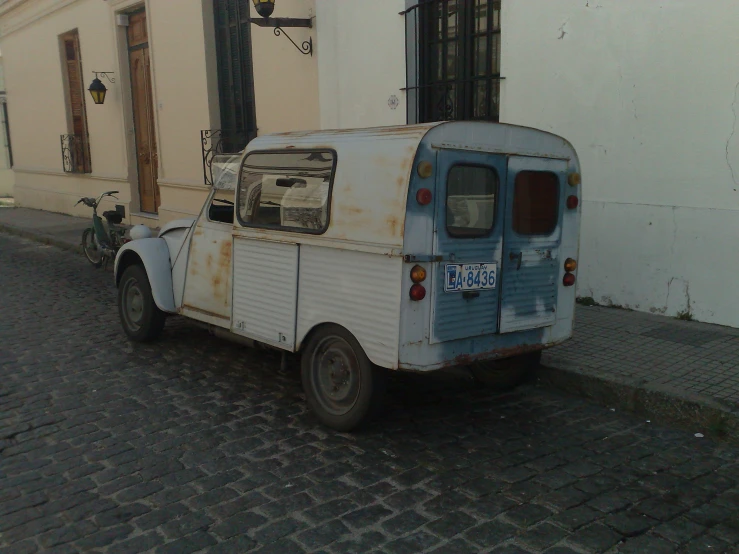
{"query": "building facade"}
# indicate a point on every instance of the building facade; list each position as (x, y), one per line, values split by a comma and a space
(646, 92)
(185, 84)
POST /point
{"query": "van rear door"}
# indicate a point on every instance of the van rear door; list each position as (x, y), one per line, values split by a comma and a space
(535, 190)
(469, 242)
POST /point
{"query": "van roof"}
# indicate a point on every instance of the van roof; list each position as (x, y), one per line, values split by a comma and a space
(374, 167)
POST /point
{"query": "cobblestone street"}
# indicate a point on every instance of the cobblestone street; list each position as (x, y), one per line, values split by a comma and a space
(193, 444)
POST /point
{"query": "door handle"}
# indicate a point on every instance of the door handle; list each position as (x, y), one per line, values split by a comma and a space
(513, 257)
(470, 294)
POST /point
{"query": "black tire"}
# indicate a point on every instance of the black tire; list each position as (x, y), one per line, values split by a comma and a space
(341, 385)
(507, 374)
(92, 250)
(142, 320)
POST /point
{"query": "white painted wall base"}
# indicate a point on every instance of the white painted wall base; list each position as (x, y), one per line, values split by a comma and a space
(661, 259)
(7, 182)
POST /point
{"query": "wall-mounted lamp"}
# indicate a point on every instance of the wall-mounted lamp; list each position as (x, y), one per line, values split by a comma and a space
(266, 8)
(97, 88)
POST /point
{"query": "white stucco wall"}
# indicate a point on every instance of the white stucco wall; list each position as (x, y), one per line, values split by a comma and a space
(648, 93)
(361, 62)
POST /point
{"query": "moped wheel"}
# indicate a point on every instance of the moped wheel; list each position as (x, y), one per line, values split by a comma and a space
(91, 248)
(142, 320)
(341, 385)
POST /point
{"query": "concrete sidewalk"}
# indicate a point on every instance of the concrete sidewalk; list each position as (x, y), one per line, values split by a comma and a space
(679, 372)
(62, 231)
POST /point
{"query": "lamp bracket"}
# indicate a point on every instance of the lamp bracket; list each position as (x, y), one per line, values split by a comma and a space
(282, 22)
(106, 74)
(306, 48)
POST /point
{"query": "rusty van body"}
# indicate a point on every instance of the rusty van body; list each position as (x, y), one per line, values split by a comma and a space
(406, 248)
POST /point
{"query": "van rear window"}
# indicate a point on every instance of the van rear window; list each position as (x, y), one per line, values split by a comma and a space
(535, 203)
(470, 201)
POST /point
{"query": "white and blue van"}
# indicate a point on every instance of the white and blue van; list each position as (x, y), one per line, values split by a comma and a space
(411, 248)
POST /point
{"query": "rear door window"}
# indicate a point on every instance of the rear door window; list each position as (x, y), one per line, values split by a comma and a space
(470, 202)
(535, 203)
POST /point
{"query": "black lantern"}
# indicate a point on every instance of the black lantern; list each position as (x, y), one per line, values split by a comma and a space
(97, 90)
(265, 8)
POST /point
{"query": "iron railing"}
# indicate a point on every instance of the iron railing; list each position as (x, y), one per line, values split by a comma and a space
(76, 154)
(220, 141)
(453, 60)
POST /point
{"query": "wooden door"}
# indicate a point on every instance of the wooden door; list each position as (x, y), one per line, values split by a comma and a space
(143, 112)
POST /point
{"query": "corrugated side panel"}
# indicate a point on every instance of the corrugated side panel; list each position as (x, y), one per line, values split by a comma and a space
(529, 295)
(356, 290)
(264, 292)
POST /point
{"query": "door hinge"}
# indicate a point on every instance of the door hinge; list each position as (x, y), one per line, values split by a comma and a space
(420, 258)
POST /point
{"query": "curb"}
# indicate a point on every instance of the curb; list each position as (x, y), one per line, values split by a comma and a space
(693, 413)
(41, 237)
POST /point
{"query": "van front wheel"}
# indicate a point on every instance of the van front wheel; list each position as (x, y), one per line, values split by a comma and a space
(142, 320)
(341, 384)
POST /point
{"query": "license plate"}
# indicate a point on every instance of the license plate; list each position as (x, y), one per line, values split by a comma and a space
(462, 277)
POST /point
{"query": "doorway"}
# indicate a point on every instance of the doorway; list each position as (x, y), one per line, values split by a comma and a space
(147, 158)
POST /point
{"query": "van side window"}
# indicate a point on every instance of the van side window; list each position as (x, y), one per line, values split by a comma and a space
(535, 203)
(288, 190)
(221, 209)
(470, 201)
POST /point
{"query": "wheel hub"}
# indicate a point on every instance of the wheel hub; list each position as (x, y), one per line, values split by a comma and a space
(336, 376)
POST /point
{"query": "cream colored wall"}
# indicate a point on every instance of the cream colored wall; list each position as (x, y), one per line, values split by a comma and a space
(177, 42)
(286, 81)
(361, 62)
(38, 117)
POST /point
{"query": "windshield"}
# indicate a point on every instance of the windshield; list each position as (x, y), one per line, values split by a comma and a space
(225, 169)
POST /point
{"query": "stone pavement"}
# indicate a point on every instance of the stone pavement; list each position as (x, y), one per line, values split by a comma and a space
(192, 444)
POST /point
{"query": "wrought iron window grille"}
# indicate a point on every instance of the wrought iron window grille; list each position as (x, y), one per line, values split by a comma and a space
(220, 141)
(76, 154)
(453, 60)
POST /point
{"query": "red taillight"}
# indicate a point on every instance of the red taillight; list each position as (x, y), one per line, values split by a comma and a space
(424, 197)
(573, 202)
(418, 293)
(569, 280)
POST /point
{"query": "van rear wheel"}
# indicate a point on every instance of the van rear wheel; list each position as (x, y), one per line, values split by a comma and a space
(341, 385)
(506, 374)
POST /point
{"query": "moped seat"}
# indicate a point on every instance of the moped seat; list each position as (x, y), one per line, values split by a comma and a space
(113, 217)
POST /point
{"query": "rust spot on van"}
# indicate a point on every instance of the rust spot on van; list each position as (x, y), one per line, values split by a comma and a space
(352, 210)
(221, 277)
(499, 354)
(393, 224)
(209, 261)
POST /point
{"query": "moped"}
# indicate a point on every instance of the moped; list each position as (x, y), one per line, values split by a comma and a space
(101, 242)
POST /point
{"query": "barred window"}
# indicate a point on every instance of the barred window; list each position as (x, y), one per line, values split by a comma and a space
(454, 60)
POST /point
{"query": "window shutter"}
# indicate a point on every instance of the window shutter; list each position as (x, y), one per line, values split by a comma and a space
(76, 90)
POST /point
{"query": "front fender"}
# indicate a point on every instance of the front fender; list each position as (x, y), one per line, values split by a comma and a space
(154, 255)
